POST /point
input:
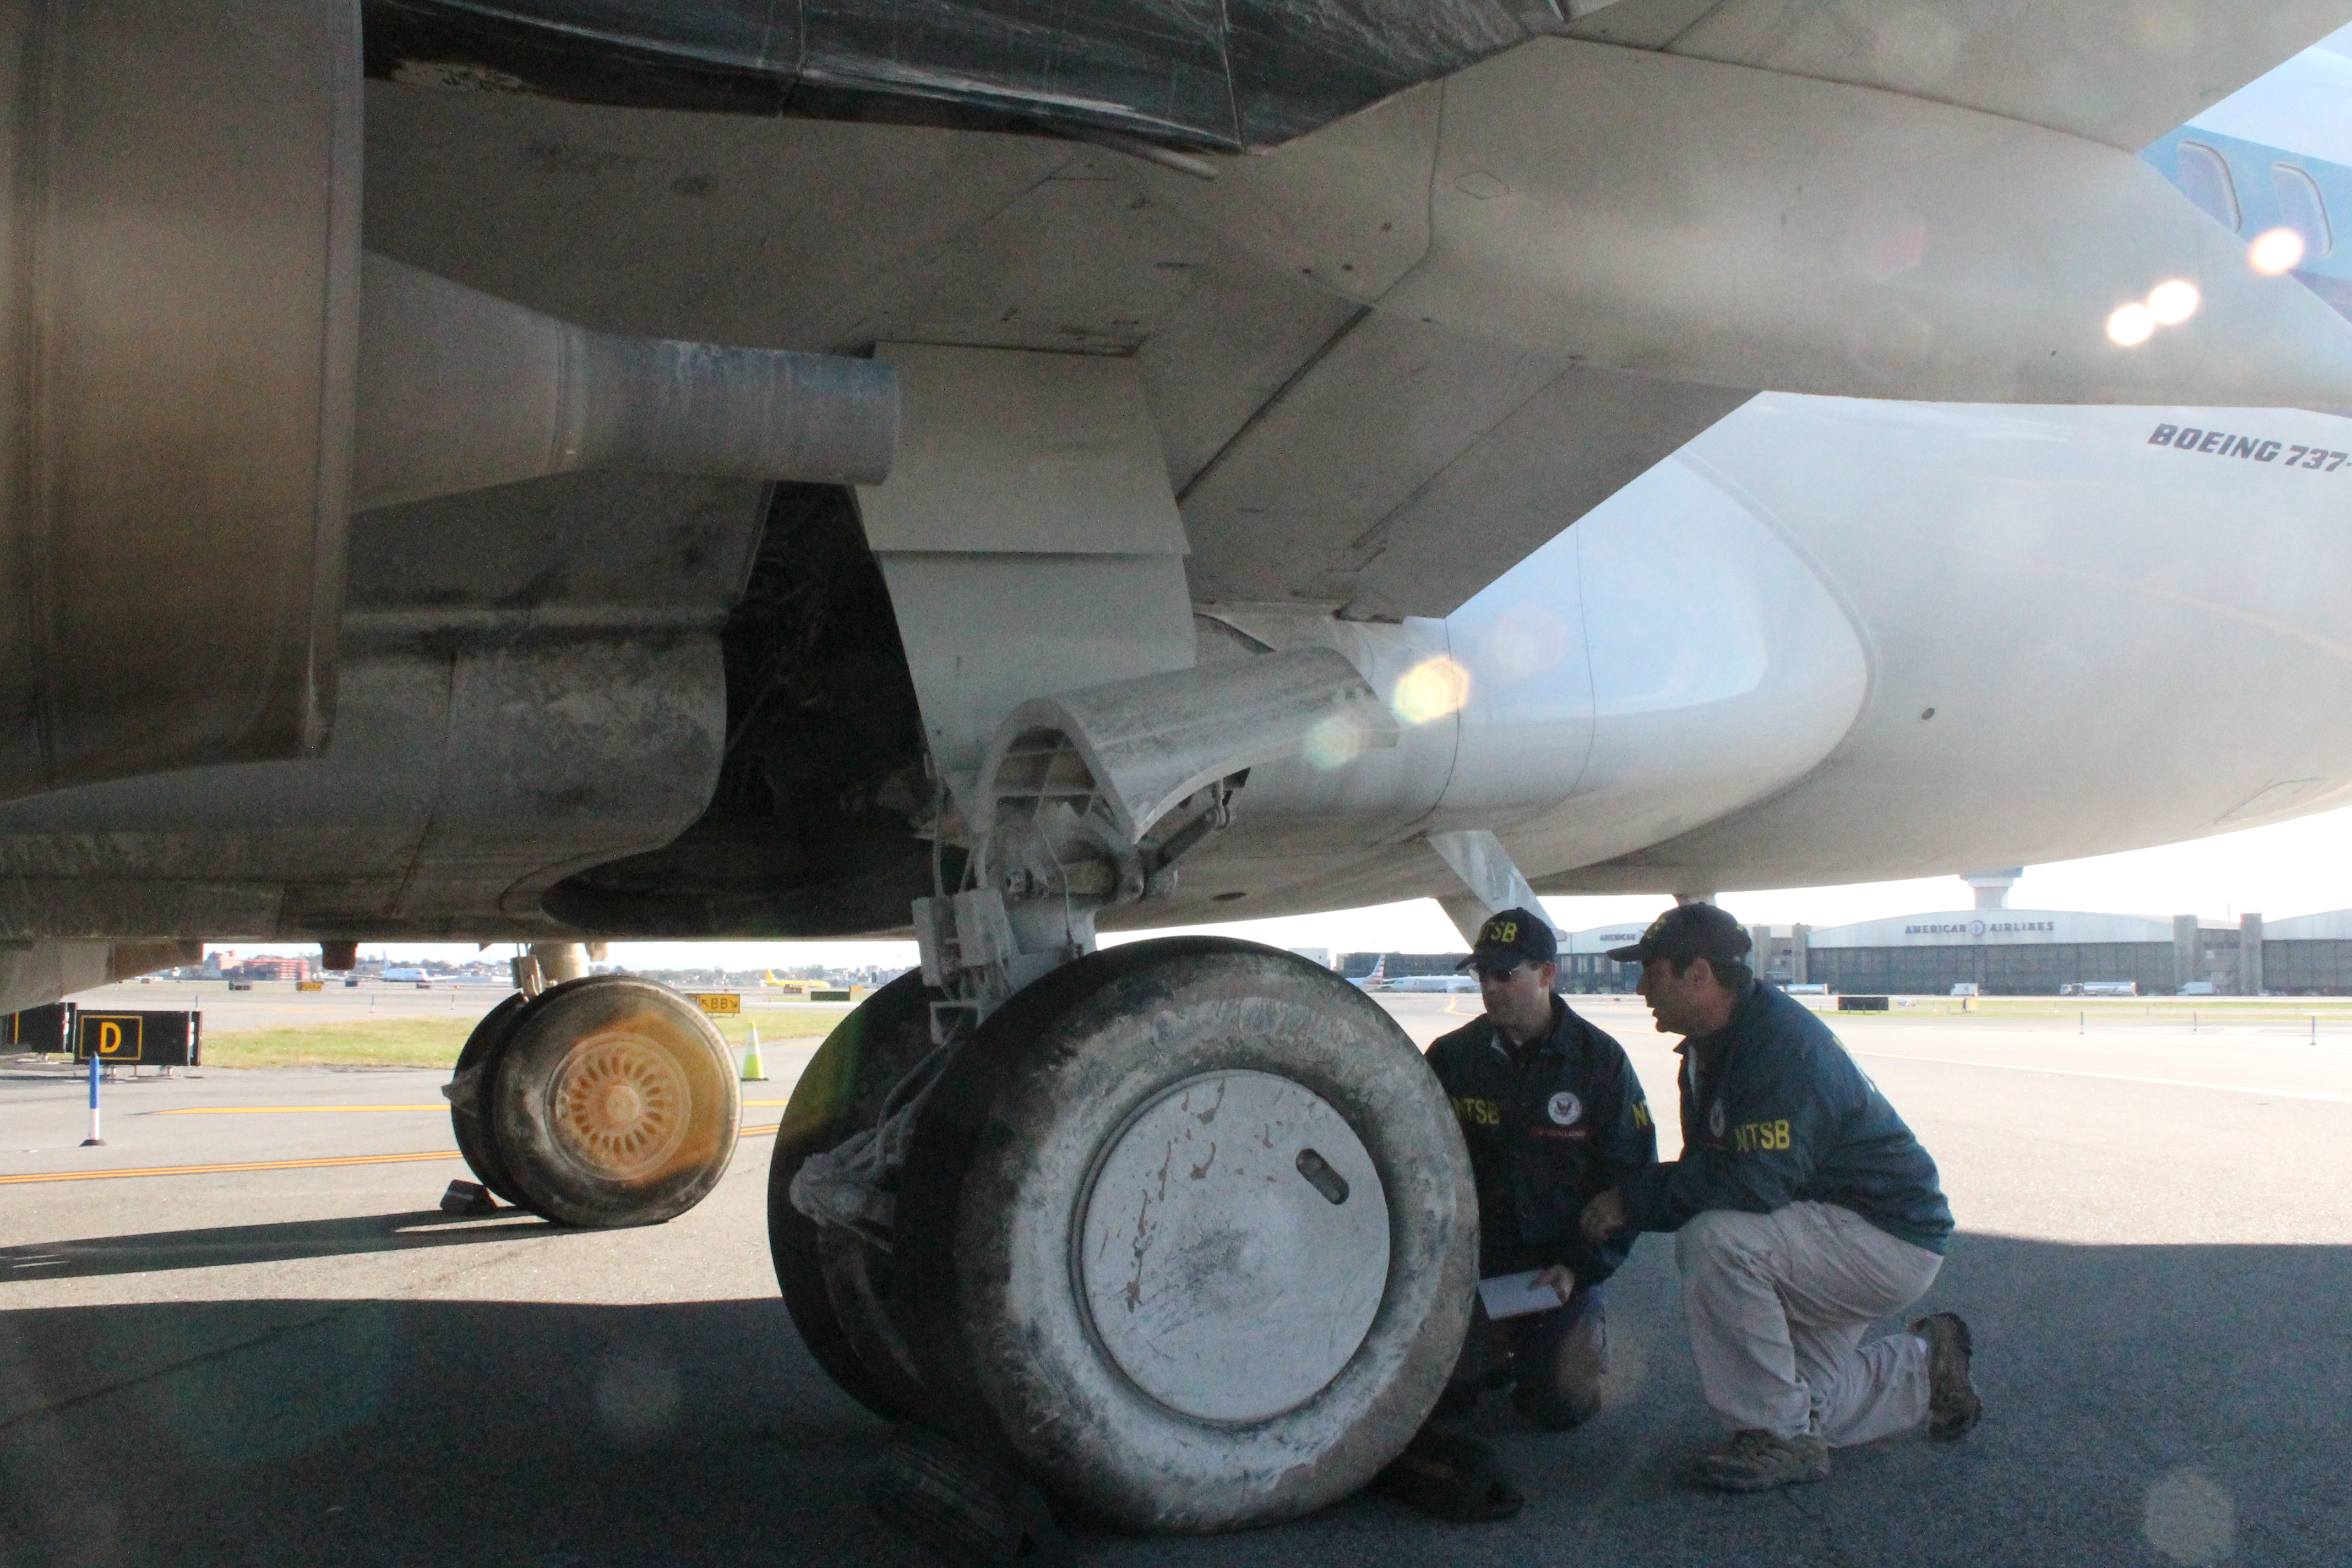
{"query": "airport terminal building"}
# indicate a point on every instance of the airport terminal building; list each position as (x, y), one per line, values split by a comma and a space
(2000, 952)
(2042, 952)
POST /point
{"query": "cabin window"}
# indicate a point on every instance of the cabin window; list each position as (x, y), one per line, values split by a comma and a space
(2302, 208)
(2205, 181)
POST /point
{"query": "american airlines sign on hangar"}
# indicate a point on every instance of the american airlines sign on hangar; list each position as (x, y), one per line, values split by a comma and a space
(1969, 927)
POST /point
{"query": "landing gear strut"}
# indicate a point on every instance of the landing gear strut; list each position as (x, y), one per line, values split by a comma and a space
(602, 1102)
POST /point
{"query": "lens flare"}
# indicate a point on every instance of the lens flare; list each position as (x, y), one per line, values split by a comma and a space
(1431, 690)
(1335, 742)
(2131, 325)
(1526, 640)
(2173, 303)
(2277, 251)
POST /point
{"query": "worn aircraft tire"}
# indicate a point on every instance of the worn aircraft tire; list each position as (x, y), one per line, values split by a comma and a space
(1190, 1236)
(474, 1141)
(613, 1103)
(838, 1290)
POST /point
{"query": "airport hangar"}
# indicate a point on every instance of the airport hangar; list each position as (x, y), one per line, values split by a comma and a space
(2001, 952)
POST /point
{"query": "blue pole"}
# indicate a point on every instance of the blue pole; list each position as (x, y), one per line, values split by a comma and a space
(93, 1141)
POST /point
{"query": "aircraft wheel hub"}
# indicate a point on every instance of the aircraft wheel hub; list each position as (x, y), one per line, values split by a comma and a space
(1234, 1246)
(620, 1105)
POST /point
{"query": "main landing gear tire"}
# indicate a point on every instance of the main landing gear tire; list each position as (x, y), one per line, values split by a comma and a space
(603, 1102)
(1189, 1234)
(839, 1290)
(473, 1131)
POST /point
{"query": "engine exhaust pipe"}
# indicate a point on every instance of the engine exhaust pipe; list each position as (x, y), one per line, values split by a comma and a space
(459, 390)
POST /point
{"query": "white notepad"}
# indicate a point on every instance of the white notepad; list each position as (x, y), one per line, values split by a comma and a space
(1516, 1295)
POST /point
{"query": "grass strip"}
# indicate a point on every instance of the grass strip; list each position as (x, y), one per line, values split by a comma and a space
(435, 1042)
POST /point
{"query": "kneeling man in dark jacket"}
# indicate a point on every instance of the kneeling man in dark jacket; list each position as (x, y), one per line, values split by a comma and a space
(1553, 1115)
(1806, 1210)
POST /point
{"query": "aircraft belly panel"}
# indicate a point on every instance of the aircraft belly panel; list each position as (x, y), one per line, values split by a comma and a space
(2080, 641)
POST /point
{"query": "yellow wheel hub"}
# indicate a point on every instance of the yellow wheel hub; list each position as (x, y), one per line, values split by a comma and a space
(621, 1105)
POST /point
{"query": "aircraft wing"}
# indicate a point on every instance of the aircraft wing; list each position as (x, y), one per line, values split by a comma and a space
(1233, 74)
(1473, 272)
(2118, 71)
(1406, 287)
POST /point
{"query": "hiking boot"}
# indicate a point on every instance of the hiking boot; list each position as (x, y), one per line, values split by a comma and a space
(1953, 1406)
(1452, 1475)
(1756, 1461)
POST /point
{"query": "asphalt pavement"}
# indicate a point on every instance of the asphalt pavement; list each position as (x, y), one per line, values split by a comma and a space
(285, 1353)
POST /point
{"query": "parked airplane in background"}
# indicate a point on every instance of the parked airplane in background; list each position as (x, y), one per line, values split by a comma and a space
(1282, 457)
(1378, 979)
(2274, 165)
(1423, 982)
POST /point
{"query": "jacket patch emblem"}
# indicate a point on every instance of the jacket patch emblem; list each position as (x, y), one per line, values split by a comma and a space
(1564, 1109)
(1715, 1119)
(1477, 1113)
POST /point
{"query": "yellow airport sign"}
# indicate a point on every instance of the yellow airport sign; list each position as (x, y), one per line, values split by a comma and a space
(310, 985)
(113, 1036)
(148, 1037)
(717, 1001)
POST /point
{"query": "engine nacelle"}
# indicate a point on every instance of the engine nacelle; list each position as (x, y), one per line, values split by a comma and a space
(199, 359)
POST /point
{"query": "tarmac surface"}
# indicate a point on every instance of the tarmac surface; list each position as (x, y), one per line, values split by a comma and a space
(303, 1359)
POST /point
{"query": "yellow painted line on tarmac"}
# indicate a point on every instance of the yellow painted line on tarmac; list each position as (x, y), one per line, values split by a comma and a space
(270, 1165)
(284, 1110)
(224, 1170)
(2114, 1077)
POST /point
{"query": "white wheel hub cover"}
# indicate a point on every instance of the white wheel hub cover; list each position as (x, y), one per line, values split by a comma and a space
(1234, 1246)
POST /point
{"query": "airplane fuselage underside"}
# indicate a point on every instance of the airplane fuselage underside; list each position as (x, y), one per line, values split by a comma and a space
(1830, 640)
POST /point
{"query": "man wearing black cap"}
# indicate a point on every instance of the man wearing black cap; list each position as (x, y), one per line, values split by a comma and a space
(1553, 1115)
(1805, 1209)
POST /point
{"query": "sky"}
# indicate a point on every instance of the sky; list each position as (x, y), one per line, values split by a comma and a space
(2289, 868)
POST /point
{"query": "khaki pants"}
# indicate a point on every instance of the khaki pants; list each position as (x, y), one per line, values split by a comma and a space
(1778, 1303)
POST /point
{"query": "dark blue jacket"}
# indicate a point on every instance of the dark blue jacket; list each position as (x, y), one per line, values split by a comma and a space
(1550, 1125)
(1775, 1112)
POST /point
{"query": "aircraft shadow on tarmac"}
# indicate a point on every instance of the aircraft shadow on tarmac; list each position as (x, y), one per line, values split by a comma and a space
(155, 1251)
(2148, 1404)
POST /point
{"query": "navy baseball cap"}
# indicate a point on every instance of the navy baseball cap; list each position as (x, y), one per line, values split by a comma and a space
(1512, 938)
(1688, 931)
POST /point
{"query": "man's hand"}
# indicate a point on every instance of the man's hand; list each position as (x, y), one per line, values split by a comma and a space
(1604, 1216)
(1561, 1278)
